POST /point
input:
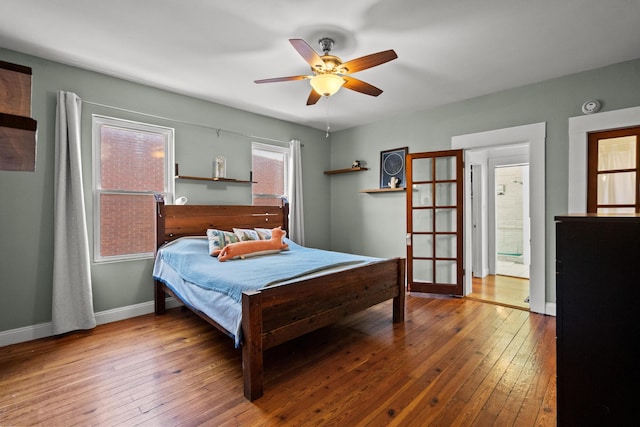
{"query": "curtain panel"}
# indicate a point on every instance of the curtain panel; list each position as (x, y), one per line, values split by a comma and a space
(296, 208)
(72, 293)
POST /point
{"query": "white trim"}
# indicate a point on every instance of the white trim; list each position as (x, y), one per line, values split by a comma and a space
(27, 333)
(44, 330)
(122, 313)
(579, 127)
(550, 308)
(534, 136)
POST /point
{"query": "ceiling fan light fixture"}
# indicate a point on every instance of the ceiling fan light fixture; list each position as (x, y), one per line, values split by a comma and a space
(326, 84)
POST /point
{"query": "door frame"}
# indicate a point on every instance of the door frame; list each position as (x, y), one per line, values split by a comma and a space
(533, 136)
(479, 225)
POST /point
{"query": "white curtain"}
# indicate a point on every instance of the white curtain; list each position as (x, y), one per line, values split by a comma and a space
(296, 208)
(72, 296)
(616, 188)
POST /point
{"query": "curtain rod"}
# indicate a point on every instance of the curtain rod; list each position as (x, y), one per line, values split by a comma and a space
(218, 130)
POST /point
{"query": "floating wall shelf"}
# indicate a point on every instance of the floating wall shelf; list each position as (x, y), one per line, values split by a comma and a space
(202, 178)
(383, 190)
(336, 171)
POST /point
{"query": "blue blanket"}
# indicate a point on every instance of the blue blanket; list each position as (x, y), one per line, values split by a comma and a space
(190, 257)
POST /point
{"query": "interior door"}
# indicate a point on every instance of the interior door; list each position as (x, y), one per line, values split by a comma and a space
(435, 222)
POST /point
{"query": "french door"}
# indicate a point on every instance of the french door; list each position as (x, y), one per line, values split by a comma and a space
(435, 222)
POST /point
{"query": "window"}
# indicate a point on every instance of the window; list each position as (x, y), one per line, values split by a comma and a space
(132, 162)
(614, 171)
(270, 165)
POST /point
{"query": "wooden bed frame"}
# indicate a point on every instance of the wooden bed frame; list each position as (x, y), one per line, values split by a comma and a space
(280, 313)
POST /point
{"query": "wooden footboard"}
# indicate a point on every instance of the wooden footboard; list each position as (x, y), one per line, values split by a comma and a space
(275, 315)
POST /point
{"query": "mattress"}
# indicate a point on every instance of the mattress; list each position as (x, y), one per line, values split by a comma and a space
(223, 305)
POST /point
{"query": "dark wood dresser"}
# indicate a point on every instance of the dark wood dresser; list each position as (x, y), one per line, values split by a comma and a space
(598, 320)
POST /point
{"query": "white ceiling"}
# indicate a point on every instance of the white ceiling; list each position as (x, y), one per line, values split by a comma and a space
(448, 50)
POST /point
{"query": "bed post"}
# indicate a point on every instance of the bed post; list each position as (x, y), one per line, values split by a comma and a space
(159, 297)
(252, 351)
(398, 301)
(160, 237)
(285, 217)
(159, 294)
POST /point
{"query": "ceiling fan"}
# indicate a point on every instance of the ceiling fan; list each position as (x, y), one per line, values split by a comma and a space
(330, 73)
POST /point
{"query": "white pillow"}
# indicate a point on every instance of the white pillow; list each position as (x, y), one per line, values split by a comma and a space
(245, 234)
(265, 233)
(218, 239)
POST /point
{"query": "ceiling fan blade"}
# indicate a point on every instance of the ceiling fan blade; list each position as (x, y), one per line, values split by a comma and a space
(313, 97)
(360, 86)
(282, 79)
(307, 53)
(368, 61)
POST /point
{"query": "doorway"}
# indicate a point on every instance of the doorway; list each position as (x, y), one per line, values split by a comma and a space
(478, 148)
(501, 231)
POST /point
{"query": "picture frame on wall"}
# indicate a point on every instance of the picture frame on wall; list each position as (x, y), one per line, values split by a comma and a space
(392, 168)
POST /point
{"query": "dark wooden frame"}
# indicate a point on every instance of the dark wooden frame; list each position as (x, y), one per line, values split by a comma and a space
(280, 313)
(384, 177)
(593, 172)
(433, 286)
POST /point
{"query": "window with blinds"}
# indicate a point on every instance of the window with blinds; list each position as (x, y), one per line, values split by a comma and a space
(132, 162)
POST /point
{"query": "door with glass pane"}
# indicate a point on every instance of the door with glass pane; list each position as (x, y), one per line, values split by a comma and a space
(434, 222)
(613, 181)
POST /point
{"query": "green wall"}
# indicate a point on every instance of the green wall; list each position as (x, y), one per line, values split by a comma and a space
(26, 206)
(374, 224)
(358, 222)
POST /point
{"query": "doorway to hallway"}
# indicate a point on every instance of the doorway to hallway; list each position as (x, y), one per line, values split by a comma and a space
(501, 273)
(478, 148)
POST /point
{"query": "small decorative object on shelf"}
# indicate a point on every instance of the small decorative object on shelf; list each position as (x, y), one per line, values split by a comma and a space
(357, 164)
(220, 167)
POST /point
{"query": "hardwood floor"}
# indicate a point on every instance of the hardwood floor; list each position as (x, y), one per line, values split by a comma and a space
(504, 290)
(452, 362)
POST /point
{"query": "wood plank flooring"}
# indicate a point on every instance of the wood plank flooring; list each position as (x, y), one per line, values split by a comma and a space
(504, 290)
(453, 362)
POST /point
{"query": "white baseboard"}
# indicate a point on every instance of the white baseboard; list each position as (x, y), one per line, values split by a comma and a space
(550, 308)
(43, 330)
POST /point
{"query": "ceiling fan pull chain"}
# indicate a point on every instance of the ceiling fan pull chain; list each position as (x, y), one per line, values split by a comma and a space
(327, 116)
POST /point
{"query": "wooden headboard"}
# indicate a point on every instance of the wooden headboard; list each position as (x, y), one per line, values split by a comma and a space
(175, 221)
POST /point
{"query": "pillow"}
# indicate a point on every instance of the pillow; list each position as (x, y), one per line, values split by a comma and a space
(218, 239)
(265, 233)
(254, 247)
(245, 234)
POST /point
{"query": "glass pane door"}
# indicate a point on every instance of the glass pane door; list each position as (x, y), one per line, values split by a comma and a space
(434, 222)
